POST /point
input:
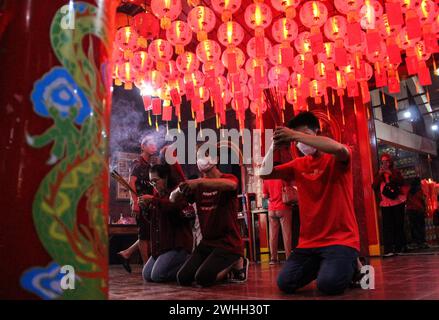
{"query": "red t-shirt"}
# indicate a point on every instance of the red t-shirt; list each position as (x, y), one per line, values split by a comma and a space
(326, 203)
(273, 189)
(218, 216)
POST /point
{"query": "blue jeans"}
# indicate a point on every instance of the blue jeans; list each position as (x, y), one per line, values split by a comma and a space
(332, 266)
(165, 267)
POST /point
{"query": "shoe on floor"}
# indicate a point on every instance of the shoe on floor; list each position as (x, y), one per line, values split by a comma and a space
(239, 276)
(125, 263)
(388, 255)
(273, 262)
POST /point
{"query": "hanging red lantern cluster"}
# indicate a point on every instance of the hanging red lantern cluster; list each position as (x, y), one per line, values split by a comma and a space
(339, 50)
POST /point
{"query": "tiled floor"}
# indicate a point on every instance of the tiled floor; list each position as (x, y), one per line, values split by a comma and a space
(411, 277)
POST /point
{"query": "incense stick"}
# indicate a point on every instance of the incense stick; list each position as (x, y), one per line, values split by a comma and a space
(273, 98)
(116, 176)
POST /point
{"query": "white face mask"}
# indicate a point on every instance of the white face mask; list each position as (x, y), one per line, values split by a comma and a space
(306, 149)
(204, 164)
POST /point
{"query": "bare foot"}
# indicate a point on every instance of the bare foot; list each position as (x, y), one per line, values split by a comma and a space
(124, 255)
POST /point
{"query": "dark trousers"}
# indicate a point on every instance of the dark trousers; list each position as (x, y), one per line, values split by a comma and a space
(417, 226)
(393, 228)
(204, 264)
(332, 266)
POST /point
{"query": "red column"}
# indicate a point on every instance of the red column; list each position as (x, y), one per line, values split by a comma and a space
(55, 104)
(366, 142)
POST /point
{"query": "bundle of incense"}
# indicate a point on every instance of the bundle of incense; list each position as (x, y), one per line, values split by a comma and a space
(116, 176)
(274, 100)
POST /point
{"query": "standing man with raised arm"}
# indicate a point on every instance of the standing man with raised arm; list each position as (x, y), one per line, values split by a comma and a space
(139, 181)
(329, 242)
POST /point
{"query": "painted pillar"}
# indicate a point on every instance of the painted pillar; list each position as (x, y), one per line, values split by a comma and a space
(366, 136)
(55, 106)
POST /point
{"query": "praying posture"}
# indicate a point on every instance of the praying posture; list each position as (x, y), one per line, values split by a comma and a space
(219, 255)
(329, 243)
(171, 234)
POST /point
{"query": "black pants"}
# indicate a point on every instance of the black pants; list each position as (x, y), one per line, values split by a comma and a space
(332, 266)
(204, 264)
(393, 228)
(296, 226)
(417, 226)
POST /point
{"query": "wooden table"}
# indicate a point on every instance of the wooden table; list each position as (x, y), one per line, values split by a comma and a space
(122, 229)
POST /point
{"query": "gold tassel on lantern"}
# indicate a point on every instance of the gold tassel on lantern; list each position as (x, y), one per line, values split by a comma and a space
(156, 123)
(290, 12)
(193, 3)
(142, 42)
(149, 118)
(179, 49)
(427, 93)
(201, 36)
(383, 96)
(165, 23)
(396, 103)
(160, 65)
(226, 16)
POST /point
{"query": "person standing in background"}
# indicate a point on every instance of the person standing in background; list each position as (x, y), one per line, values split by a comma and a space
(416, 209)
(387, 184)
(279, 215)
(139, 181)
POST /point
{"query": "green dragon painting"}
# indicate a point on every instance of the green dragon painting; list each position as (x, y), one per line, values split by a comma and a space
(69, 208)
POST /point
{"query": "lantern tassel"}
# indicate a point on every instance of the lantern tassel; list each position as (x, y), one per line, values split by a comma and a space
(157, 123)
(383, 96)
(149, 119)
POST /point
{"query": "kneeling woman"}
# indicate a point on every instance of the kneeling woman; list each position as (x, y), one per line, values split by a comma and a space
(171, 235)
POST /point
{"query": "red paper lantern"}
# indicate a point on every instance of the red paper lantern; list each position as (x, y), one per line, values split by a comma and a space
(284, 30)
(187, 62)
(369, 13)
(141, 62)
(126, 40)
(258, 16)
(233, 55)
(303, 43)
(166, 10)
(147, 25)
(226, 8)
(427, 11)
(197, 78)
(230, 33)
(288, 6)
(160, 51)
(208, 51)
(217, 67)
(335, 28)
(313, 14)
(201, 20)
(347, 6)
(179, 35)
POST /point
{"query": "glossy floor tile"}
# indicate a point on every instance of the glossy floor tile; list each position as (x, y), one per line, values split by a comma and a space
(402, 277)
